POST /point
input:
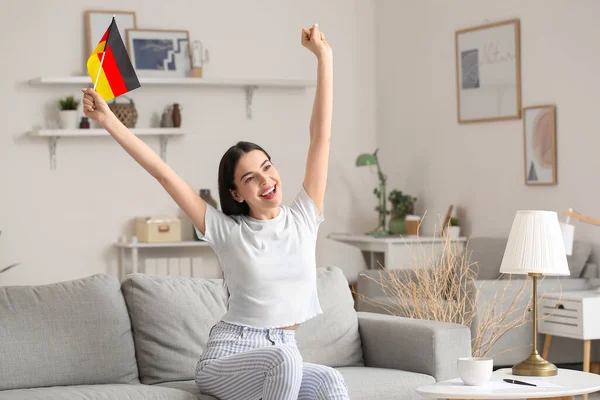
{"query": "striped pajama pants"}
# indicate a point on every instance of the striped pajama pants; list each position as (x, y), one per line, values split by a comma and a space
(244, 363)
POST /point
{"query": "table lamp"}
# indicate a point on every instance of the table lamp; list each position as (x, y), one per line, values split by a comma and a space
(535, 247)
(371, 159)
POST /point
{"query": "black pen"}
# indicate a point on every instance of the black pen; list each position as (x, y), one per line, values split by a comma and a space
(516, 382)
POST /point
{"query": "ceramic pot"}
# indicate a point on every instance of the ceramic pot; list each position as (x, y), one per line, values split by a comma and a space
(68, 119)
(454, 232)
(397, 225)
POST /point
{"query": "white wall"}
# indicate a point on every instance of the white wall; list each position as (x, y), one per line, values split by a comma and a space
(479, 167)
(62, 224)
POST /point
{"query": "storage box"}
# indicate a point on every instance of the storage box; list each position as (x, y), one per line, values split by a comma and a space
(158, 229)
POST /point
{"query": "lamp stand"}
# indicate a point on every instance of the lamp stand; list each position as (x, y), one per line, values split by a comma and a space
(534, 365)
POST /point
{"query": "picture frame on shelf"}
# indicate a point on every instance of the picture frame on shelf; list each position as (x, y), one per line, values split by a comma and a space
(488, 72)
(97, 21)
(539, 139)
(159, 53)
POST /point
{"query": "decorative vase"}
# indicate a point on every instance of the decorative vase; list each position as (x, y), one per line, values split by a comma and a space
(166, 120)
(68, 119)
(176, 116)
(205, 195)
(85, 123)
(398, 225)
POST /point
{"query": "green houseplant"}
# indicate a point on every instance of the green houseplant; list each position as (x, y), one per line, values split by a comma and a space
(68, 112)
(402, 205)
(367, 159)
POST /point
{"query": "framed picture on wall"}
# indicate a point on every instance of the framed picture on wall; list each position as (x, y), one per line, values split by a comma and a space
(159, 53)
(97, 22)
(488, 72)
(539, 139)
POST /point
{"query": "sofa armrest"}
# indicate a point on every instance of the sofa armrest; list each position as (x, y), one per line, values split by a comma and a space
(421, 346)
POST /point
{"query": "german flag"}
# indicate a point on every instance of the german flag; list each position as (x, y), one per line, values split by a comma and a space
(109, 66)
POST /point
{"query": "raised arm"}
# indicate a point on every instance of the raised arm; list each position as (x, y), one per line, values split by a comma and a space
(315, 178)
(184, 195)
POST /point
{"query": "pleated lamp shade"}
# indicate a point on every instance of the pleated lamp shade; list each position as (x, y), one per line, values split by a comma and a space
(535, 245)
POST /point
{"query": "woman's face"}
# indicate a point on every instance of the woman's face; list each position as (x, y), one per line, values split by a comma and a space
(257, 182)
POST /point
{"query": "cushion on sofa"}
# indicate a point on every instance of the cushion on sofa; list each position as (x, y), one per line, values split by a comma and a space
(577, 260)
(332, 338)
(98, 392)
(171, 318)
(383, 384)
(68, 333)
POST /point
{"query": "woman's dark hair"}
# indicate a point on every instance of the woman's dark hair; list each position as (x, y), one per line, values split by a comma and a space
(226, 177)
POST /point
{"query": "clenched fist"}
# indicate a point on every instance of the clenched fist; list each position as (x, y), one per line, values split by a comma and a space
(314, 40)
(94, 106)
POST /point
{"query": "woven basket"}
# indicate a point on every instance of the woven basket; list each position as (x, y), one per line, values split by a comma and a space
(125, 112)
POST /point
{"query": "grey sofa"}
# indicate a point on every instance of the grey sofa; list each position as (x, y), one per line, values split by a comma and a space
(487, 252)
(97, 338)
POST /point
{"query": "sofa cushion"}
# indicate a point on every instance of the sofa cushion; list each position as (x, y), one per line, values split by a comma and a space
(577, 260)
(383, 384)
(98, 392)
(68, 333)
(332, 338)
(171, 318)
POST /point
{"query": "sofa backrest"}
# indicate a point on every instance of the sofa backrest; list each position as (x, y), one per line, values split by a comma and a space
(171, 318)
(69, 333)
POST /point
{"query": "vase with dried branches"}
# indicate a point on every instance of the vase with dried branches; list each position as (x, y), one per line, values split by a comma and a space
(442, 286)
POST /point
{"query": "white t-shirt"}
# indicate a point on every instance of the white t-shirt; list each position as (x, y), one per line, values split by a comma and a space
(269, 266)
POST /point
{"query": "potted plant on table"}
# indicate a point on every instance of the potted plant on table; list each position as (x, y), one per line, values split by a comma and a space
(402, 205)
(68, 112)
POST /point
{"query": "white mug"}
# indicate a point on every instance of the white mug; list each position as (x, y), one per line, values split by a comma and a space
(475, 371)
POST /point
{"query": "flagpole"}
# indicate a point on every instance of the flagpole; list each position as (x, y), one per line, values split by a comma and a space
(99, 69)
(103, 54)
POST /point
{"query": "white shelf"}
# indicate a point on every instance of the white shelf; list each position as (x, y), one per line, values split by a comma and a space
(248, 85)
(55, 134)
(139, 245)
(217, 82)
(103, 132)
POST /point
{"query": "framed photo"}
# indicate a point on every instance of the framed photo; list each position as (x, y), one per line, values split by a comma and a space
(97, 22)
(539, 131)
(159, 53)
(488, 72)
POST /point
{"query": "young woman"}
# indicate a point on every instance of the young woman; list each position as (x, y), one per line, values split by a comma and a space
(266, 250)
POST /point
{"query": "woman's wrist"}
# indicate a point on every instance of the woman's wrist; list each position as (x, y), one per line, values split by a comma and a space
(325, 57)
(108, 120)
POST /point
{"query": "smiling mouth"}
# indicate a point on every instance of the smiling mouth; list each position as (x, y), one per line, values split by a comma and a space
(271, 193)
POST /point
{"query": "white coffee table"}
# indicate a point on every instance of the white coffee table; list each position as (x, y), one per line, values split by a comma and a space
(567, 383)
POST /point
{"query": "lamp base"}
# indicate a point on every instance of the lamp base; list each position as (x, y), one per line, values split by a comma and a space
(535, 365)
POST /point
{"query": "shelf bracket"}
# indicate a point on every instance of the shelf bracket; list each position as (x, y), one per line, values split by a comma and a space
(53, 142)
(163, 139)
(249, 94)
